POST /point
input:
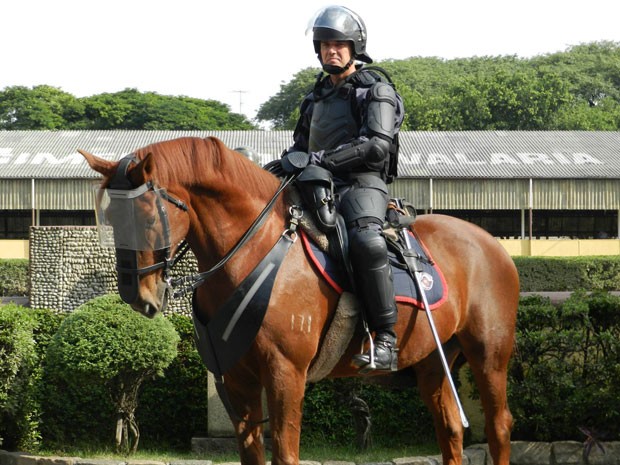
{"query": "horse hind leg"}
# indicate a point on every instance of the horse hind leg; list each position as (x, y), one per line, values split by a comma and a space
(490, 374)
(436, 393)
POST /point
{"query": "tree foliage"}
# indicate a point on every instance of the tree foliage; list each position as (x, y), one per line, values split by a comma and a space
(49, 108)
(578, 89)
(105, 342)
(42, 107)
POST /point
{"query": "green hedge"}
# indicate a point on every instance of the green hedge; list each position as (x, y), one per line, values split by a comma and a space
(334, 407)
(539, 274)
(14, 277)
(180, 396)
(565, 374)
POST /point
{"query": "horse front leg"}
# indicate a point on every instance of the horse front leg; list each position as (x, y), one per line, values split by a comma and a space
(285, 394)
(245, 396)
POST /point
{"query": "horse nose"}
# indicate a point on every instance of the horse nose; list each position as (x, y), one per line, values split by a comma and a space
(150, 305)
(148, 309)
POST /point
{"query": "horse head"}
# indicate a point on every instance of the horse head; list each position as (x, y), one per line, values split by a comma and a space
(144, 223)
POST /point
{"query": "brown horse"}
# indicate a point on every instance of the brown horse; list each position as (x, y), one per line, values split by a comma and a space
(221, 193)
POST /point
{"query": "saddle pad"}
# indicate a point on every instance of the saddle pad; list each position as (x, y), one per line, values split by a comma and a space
(433, 281)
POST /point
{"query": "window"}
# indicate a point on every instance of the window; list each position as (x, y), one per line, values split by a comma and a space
(14, 224)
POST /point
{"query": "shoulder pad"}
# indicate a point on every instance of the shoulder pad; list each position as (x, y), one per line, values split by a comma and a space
(383, 92)
(364, 78)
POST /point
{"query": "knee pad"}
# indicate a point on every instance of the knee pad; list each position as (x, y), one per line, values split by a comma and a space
(368, 247)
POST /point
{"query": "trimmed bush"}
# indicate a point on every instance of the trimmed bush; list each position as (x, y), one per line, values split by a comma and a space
(173, 408)
(105, 343)
(18, 372)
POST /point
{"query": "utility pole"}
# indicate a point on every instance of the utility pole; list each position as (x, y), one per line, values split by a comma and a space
(240, 92)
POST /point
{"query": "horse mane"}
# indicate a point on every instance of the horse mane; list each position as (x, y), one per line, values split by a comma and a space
(193, 161)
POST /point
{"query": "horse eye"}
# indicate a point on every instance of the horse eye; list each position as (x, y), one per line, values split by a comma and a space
(150, 222)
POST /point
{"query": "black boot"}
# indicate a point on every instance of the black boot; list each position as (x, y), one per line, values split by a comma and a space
(385, 354)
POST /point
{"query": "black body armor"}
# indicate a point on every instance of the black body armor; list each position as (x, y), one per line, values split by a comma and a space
(351, 131)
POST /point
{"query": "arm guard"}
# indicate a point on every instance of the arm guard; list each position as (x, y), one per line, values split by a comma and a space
(350, 156)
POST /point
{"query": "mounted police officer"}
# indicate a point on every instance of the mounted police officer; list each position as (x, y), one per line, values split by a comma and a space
(348, 125)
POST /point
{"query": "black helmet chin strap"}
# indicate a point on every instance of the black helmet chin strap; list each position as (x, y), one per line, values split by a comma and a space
(333, 69)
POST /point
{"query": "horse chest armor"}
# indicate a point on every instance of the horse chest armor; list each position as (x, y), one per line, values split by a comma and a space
(333, 122)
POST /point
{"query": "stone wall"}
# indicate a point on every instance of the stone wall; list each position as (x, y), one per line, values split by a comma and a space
(68, 267)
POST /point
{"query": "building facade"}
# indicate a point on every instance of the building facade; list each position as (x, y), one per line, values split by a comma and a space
(515, 184)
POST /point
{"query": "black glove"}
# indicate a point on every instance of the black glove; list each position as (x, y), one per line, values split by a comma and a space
(275, 168)
(292, 162)
(295, 162)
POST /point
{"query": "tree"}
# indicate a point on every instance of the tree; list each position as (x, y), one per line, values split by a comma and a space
(282, 110)
(42, 107)
(131, 109)
(575, 89)
(49, 108)
(105, 342)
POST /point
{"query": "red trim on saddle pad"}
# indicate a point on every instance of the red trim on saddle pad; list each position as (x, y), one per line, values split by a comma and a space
(406, 290)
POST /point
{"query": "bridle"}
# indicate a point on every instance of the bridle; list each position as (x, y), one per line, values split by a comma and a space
(189, 283)
(126, 259)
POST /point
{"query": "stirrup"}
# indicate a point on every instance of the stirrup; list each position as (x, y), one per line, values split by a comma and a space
(371, 366)
(365, 368)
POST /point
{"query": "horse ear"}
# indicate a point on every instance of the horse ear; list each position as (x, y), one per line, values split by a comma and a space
(104, 167)
(143, 172)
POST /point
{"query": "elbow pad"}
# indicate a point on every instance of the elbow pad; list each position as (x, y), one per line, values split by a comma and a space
(382, 111)
(373, 151)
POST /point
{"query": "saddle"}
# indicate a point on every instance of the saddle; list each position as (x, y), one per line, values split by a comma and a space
(330, 254)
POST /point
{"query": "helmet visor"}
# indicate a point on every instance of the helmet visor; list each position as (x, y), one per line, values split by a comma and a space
(339, 19)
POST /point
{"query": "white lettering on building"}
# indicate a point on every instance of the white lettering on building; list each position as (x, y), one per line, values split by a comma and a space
(533, 158)
(438, 159)
(7, 157)
(43, 158)
(462, 158)
(500, 158)
(583, 158)
(497, 158)
(563, 159)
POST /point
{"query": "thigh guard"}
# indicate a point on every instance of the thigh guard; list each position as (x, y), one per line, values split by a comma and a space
(367, 198)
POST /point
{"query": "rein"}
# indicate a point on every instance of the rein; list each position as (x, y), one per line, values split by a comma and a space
(192, 282)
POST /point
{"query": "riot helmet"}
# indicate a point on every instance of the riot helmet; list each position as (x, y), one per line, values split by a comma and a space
(338, 23)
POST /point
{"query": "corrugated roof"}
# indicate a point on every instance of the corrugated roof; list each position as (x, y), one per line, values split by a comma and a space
(511, 154)
(448, 154)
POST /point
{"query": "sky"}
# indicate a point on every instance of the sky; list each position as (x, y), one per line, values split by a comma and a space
(241, 52)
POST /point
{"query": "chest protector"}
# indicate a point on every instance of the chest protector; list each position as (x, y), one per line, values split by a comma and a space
(333, 122)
